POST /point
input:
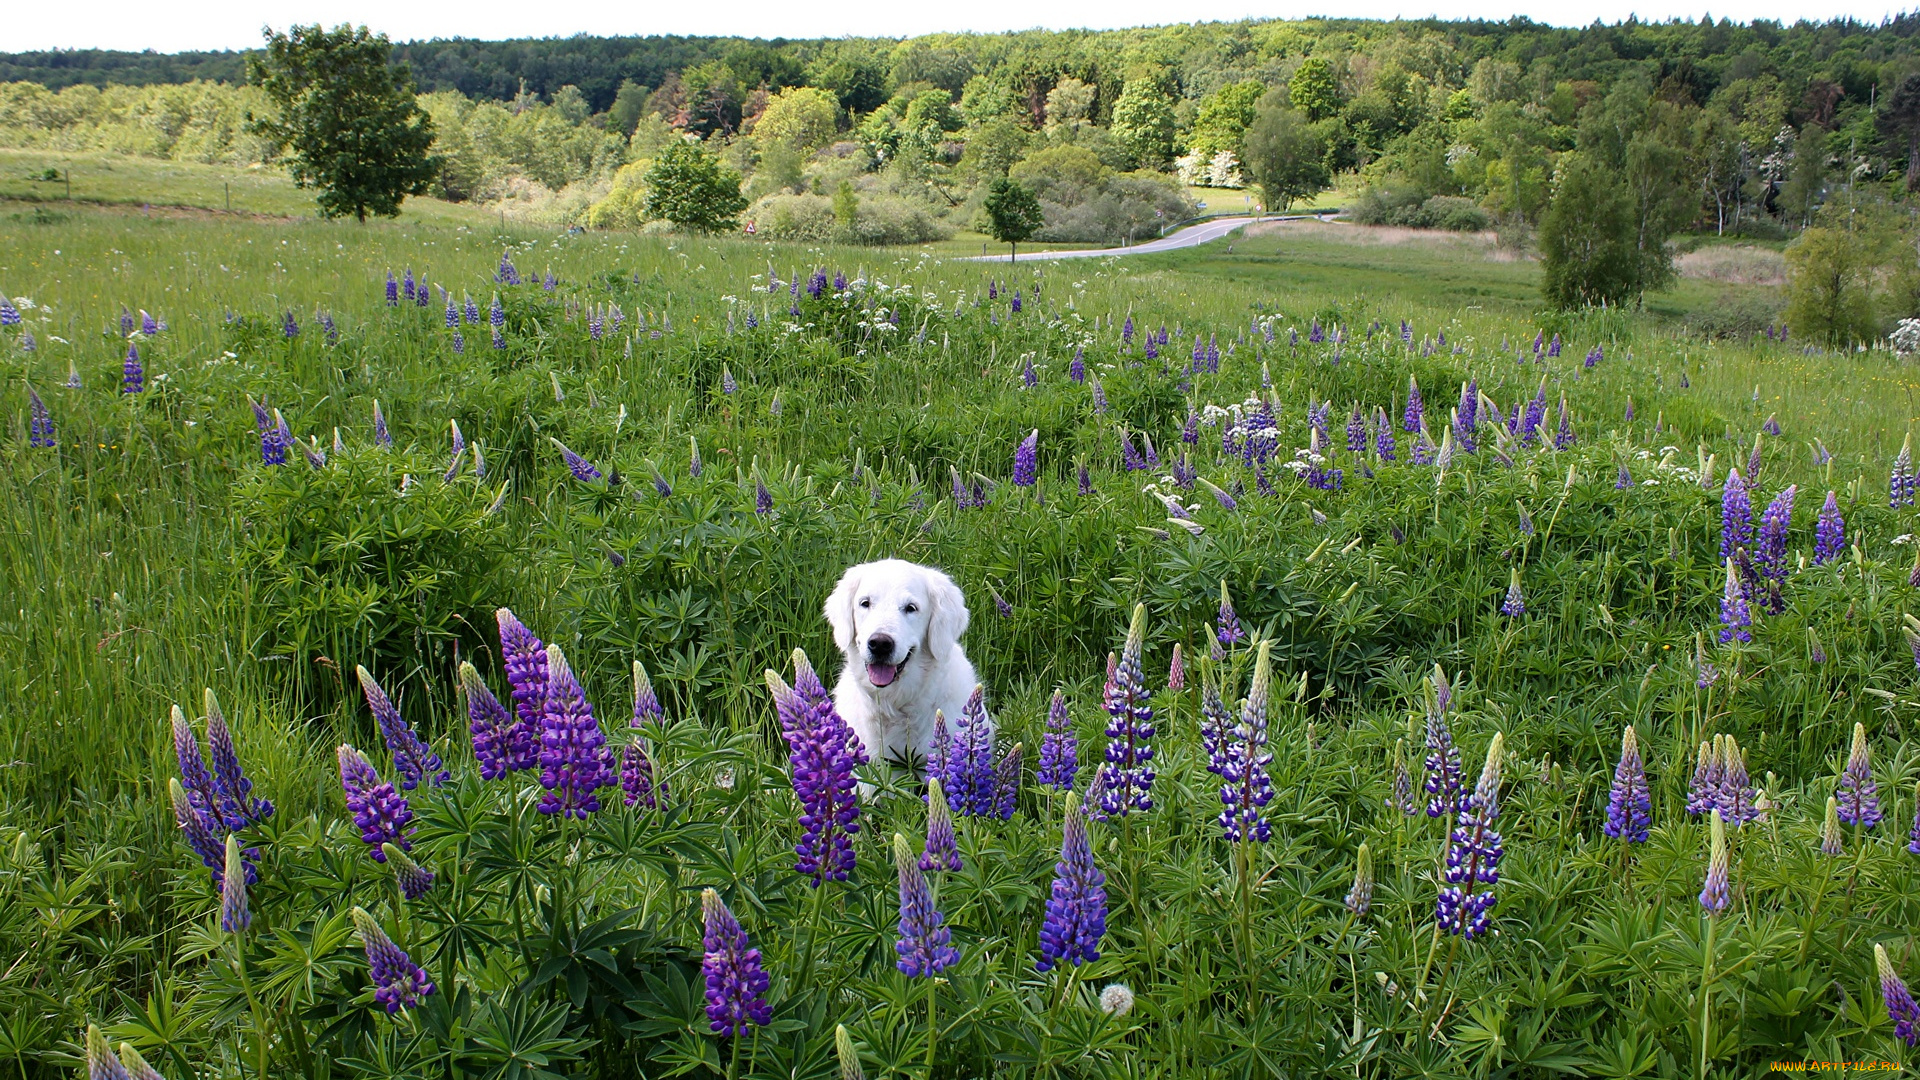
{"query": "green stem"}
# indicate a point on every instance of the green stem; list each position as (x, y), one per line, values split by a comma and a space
(933, 1028)
(813, 932)
(1706, 998)
(253, 1005)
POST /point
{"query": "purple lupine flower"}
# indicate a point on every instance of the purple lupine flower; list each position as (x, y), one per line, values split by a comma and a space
(1360, 897)
(492, 727)
(1466, 417)
(453, 313)
(232, 791)
(1563, 436)
(415, 881)
(1216, 729)
(1059, 747)
(1858, 795)
(1130, 459)
(1913, 837)
(1356, 431)
(1245, 757)
(1402, 798)
(1474, 852)
(1152, 350)
(1525, 522)
(496, 315)
(646, 703)
(193, 767)
(1515, 605)
(1415, 418)
(1703, 791)
(736, 980)
(459, 342)
(636, 777)
(1753, 459)
(574, 760)
(380, 812)
(1099, 397)
(133, 378)
(1026, 460)
(1076, 917)
(1424, 452)
(762, 498)
(1443, 757)
(393, 290)
(1317, 419)
(822, 754)
(1006, 782)
(1715, 893)
(1227, 629)
(399, 982)
(1177, 670)
(582, 469)
(1736, 797)
(943, 850)
(970, 775)
(1770, 552)
(694, 466)
(1900, 1005)
(1000, 603)
(1594, 356)
(1183, 474)
(40, 433)
(407, 288)
(1735, 619)
(1148, 455)
(290, 327)
(1029, 378)
(196, 828)
(525, 659)
(925, 946)
(1629, 806)
(1127, 774)
(471, 312)
(413, 759)
(1829, 533)
(1902, 482)
(274, 442)
(1626, 479)
(1085, 480)
(1077, 369)
(381, 436)
(1016, 301)
(1384, 443)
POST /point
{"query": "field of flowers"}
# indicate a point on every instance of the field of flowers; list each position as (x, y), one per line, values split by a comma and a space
(414, 668)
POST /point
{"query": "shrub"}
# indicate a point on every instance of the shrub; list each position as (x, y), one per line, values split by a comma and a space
(877, 219)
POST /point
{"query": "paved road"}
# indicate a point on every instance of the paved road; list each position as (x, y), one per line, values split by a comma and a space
(1191, 236)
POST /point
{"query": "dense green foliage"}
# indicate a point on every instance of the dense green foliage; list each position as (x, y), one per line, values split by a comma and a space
(347, 119)
(151, 553)
(688, 187)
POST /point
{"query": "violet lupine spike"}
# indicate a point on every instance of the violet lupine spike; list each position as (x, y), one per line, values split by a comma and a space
(943, 850)
(582, 469)
(1858, 795)
(1770, 549)
(1703, 790)
(399, 983)
(637, 781)
(1466, 418)
(233, 792)
(970, 774)
(1127, 775)
(822, 754)
(493, 728)
(1443, 767)
(1384, 443)
(646, 703)
(1248, 788)
(574, 761)
(1360, 897)
(525, 659)
(1216, 729)
(1402, 799)
(194, 777)
(1736, 620)
(1715, 893)
(1474, 852)
(1563, 435)
(1629, 804)
(101, 1064)
(1026, 460)
(1227, 629)
(133, 377)
(413, 759)
(1077, 369)
(381, 436)
(1006, 783)
(1901, 1008)
(1515, 605)
(924, 948)
(1737, 799)
(40, 433)
(381, 813)
(1736, 516)
(1059, 747)
(1901, 482)
(1829, 533)
(1356, 431)
(736, 980)
(762, 498)
(1414, 419)
(1076, 913)
(196, 829)
(415, 881)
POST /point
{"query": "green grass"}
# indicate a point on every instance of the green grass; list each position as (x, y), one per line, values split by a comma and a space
(152, 554)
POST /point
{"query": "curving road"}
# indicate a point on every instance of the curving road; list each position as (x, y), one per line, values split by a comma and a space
(1191, 236)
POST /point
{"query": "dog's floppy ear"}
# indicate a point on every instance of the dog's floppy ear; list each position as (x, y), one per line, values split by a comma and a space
(949, 617)
(839, 609)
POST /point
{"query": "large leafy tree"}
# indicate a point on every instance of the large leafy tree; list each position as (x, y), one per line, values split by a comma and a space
(1013, 214)
(1285, 155)
(348, 117)
(1587, 251)
(1143, 123)
(690, 188)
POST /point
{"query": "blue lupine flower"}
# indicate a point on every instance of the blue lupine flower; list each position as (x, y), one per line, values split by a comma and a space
(40, 431)
(574, 761)
(1076, 915)
(1414, 420)
(1735, 619)
(1474, 852)
(1026, 460)
(582, 469)
(1059, 747)
(1245, 757)
(822, 754)
(399, 982)
(942, 851)
(1126, 776)
(232, 791)
(415, 880)
(1629, 806)
(1829, 533)
(736, 981)
(381, 813)
(133, 379)
(1858, 795)
(492, 726)
(412, 758)
(925, 945)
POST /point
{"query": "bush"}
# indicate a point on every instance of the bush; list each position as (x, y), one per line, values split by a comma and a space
(878, 219)
(1734, 320)
(793, 217)
(1406, 207)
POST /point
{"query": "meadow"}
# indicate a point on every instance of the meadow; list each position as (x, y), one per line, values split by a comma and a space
(1444, 620)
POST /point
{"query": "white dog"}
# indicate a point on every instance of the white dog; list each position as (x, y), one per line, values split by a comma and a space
(899, 625)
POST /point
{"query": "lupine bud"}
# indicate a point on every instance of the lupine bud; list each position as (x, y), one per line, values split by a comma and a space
(414, 880)
(1715, 894)
(1830, 840)
(234, 914)
(1858, 795)
(942, 851)
(1360, 896)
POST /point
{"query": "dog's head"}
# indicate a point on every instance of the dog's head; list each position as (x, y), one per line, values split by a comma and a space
(894, 618)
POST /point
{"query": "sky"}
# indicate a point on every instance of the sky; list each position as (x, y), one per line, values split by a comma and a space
(235, 24)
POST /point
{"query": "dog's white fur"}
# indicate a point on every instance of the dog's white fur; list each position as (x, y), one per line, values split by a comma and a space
(925, 614)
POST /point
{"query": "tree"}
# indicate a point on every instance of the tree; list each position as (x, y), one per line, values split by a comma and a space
(1285, 155)
(1830, 278)
(1224, 117)
(1143, 122)
(348, 116)
(802, 117)
(1013, 214)
(1587, 249)
(690, 188)
(1900, 123)
(629, 105)
(1313, 89)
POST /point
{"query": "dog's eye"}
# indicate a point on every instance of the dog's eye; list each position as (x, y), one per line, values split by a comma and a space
(866, 603)
(910, 608)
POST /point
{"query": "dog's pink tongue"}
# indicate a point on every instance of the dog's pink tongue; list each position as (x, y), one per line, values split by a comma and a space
(881, 674)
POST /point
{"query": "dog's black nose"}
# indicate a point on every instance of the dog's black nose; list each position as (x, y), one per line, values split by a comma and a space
(880, 647)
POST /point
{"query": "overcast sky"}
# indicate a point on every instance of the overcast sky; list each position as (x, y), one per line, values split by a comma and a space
(230, 24)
